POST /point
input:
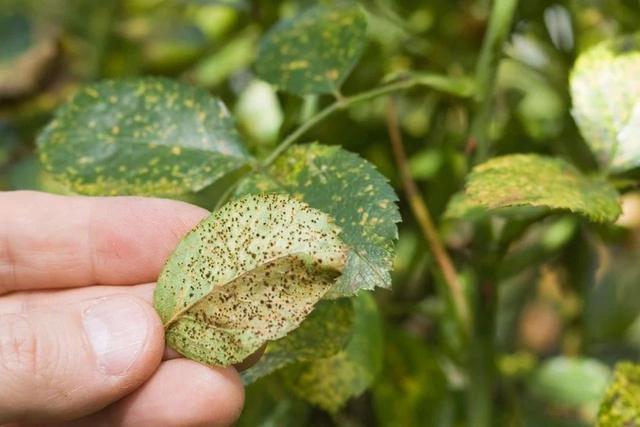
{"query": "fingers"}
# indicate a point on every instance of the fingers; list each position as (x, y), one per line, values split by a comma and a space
(49, 241)
(181, 393)
(67, 363)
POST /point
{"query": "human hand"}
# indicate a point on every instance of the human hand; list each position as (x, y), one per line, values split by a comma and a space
(80, 343)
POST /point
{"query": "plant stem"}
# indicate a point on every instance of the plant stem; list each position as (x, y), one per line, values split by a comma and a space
(455, 86)
(460, 86)
(423, 216)
(500, 22)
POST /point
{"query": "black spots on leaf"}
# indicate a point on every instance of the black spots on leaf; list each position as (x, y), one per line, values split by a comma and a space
(249, 273)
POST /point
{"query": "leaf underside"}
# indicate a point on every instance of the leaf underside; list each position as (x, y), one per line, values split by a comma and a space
(605, 90)
(314, 52)
(537, 181)
(147, 136)
(248, 274)
(352, 191)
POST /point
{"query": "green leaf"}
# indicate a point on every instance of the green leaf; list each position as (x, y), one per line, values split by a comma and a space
(621, 403)
(269, 404)
(538, 181)
(605, 90)
(571, 382)
(330, 382)
(149, 136)
(322, 334)
(249, 273)
(352, 191)
(412, 387)
(315, 51)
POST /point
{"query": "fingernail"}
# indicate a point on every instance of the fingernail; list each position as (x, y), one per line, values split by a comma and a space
(117, 328)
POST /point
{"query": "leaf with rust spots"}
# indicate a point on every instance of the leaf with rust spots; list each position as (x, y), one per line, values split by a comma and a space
(605, 90)
(330, 382)
(315, 51)
(248, 274)
(322, 334)
(147, 136)
(352, 191)
(536, 181)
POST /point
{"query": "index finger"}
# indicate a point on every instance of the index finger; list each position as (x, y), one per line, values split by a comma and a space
(49, 241)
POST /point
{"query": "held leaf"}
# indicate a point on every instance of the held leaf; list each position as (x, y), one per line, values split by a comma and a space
(536, 181)
(322, 334)
(148, 136)
(314, 52)
(248, 274)
(605, 90)
(352, 191)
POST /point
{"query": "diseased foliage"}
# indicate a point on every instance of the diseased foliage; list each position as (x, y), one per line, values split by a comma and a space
(322, 334)
(249, 273)
(512, 128)
(353, 192)
(330, 382)
(606, 101)
(315, 51)
(148, 136)
(532, 180)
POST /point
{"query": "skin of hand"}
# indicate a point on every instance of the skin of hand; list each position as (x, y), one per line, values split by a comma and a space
(80, 343)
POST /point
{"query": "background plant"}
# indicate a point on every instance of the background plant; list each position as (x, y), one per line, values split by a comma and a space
(508, 128)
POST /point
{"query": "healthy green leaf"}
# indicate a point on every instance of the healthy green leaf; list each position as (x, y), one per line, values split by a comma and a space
(353, 192)
(533, 180)
(571, 382)
(149, 136)
(315, 51)
(322, 334)
(605, 90)
(621, 403)
(249, 273)
(330, 382)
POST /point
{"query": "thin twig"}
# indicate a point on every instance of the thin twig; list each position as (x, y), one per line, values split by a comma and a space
(423, 216)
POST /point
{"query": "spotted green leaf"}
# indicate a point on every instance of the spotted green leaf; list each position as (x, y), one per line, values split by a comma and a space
(330, 382)
(537, 181)
(621, 403)
(149, 136)
(315, 51)
(605, 90)
(249, 273)
(352, 191)
(322, 334)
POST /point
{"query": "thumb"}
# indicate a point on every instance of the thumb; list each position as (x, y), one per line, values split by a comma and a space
(63, 364)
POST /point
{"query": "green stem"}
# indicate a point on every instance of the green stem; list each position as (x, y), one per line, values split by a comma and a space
(500, 23)
(459, 87)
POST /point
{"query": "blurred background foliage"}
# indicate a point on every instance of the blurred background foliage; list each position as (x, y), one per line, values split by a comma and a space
(568, 294)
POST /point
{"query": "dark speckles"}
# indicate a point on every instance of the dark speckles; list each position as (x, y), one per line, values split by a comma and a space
(315, 51)
(148, 136)
(354, 193)
(249, 273)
